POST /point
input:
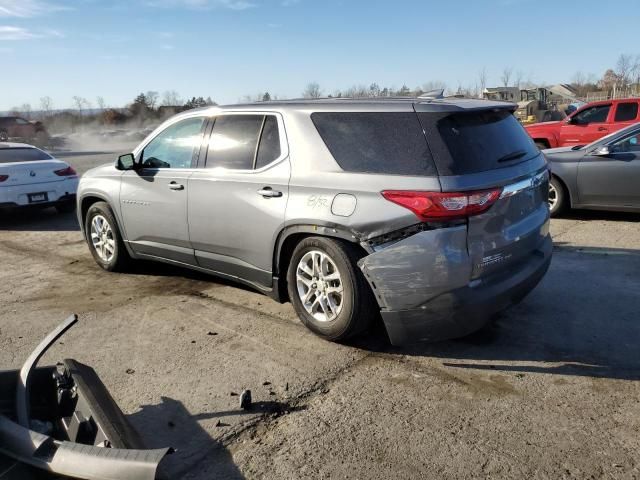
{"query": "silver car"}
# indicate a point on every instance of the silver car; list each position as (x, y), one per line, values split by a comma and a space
(603, 175)
(431, 214)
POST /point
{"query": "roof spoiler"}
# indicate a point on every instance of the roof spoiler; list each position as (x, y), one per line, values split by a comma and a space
(432, 94)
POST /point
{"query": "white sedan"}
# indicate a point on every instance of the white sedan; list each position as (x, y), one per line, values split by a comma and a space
(30, 176)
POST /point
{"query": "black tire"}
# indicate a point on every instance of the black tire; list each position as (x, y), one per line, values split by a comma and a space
(358, 307)
(561, 198)
(120, 260)
(66, 207)
(541, 145)
(4, 137)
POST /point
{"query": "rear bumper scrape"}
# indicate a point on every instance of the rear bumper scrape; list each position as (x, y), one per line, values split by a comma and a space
(423, 286)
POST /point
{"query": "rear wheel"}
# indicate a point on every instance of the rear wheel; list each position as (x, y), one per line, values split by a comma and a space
(328, 292)
(541, 145)
(104, 239)
(4, 136)
(557, 197)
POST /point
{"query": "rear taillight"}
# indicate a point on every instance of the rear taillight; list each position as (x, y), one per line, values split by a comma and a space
(3, 178)
(439, 206)
(66, 172)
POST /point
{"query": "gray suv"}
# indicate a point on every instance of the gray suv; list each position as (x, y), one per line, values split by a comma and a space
(430, 213)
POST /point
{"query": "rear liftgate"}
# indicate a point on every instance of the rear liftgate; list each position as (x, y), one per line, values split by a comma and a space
(63, 420)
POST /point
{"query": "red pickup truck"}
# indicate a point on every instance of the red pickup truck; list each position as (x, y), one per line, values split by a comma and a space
(587, 124)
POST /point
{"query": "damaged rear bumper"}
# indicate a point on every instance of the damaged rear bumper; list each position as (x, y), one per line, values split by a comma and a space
(423, 286)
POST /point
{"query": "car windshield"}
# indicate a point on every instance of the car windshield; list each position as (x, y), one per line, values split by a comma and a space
(22, 154)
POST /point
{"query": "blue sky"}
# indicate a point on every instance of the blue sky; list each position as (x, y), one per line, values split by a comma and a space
(230, 48)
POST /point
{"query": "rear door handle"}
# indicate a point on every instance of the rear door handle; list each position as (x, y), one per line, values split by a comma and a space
(176, 186)
(602, 129)
(268, 192)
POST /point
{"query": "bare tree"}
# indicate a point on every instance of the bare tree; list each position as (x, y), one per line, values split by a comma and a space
(518, 78)
(506, 76)
(26, 110)
(152, 99)
(101, 103)
(170, 98)
(624, 69)
(482, 80)
(79, 102)
(46, 105)
(312, 91)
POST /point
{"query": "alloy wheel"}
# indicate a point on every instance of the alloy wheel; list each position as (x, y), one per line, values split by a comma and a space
(319, 286)
(553, 197)
(102, 238)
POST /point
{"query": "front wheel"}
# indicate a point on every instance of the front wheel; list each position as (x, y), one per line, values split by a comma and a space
(4, 136)
(557, 197)
(328, 291)
(104, 239)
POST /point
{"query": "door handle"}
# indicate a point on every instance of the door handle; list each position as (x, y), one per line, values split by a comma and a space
(175, 186)
(602, 129)
(268, 192)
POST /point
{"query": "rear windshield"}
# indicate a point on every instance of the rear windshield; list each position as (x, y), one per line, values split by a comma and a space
(376, 142)
(22, 154)
(464, 143)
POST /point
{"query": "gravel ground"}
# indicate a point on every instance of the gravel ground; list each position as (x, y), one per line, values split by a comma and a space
(550, 390)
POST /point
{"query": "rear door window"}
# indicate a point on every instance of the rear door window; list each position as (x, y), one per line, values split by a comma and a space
(233, 141)
(472, 142)
(376, 142)
(626, 112)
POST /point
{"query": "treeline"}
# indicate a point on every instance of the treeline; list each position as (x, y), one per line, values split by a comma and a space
(145, 109)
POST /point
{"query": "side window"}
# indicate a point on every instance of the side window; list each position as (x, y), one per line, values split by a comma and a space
(21, 121)
(269, 148)
(233, 141)
(630, 143)
(596, 114)
(626, 112)
(174, 146)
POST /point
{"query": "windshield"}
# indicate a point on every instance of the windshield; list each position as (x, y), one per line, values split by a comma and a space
(22, 154)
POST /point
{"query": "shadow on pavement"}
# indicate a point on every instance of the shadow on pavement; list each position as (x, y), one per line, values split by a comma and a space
(170, 424)
(583, 319)
(587, 215)
(32, 219)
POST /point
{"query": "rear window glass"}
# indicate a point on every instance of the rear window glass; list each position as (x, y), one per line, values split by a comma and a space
(376, 142)
(9, 155)
(464, 143)
(626, 112)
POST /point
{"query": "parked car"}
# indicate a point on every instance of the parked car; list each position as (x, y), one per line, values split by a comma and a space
(345, 207)
(32, 177)
(21, 129)
(604, 175)
(587, 124)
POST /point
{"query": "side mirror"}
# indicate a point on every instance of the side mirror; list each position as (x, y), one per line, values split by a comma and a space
(602, 151)
(126, 162)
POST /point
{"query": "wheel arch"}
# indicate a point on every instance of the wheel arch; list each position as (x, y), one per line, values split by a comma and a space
(565, 186)
(286, 242)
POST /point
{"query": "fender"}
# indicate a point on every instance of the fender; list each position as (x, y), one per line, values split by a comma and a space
(323, 230)
(116, 212)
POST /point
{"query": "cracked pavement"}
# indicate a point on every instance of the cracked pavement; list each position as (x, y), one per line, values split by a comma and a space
(549, 390)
